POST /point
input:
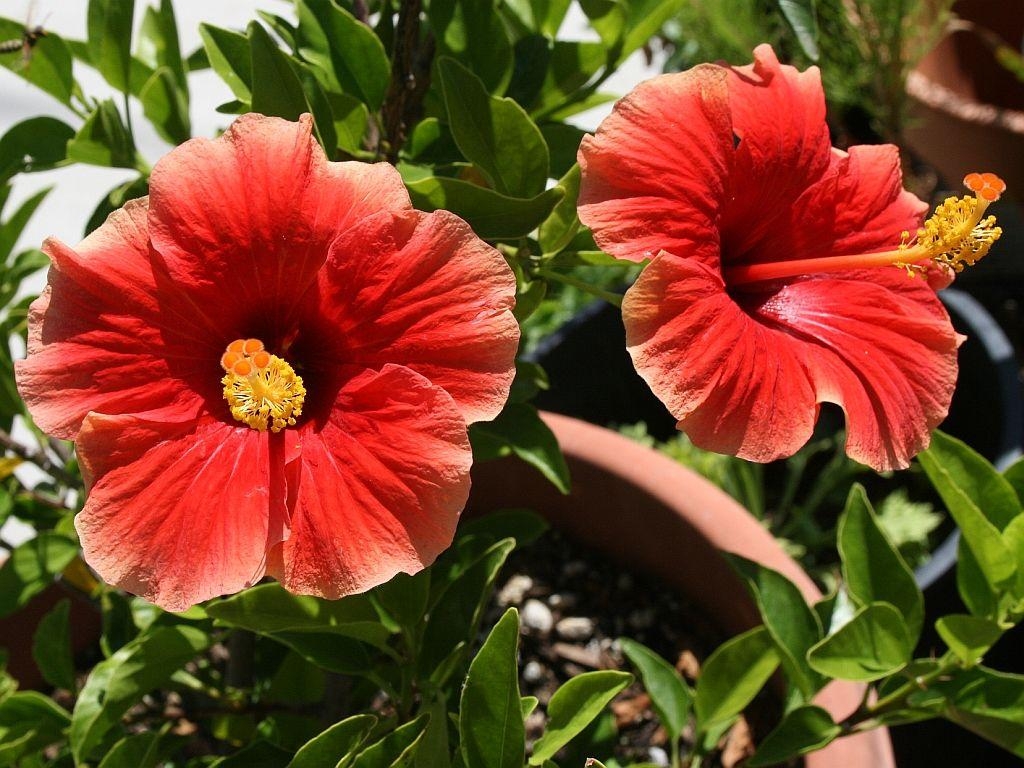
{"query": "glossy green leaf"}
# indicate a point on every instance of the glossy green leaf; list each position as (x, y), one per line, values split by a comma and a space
(32, 567)
(276, 89)
(329, 747)
(988, 703)
(115, 684)
(519, 430)
(165, 107)
(1014, 475)
(792, 624)
(350, 120)
(47, 65)
(543, 16)
(491, 215)
(802, 730)
(495, 134)
(405, 598)
(523, 525)
(671, 697)
(969, 637)
(645, 18)
(51, 647)
(269, 608)
(563, 142)
(529, 703)
(608, 18)
(433, 749)
(142, 750)
(228, 54)
(332, 39)
(733, 675)
(36, 144)
(159, 46)
(29, 721)
(330, 651)
(802, 20)
(12, 227)
(109, 25)
(561, 226)
(574, 706)
(952, 464)
(873, 644)
(873, 569)
(103, 139)
(281, 27)
(396, 750)
(980, 597)
(490, 715)
(473, 32)
(456, 612)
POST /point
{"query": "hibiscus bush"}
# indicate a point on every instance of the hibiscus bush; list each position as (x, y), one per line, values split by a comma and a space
(254, 391)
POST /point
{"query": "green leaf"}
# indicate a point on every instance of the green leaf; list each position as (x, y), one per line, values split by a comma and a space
(472, 31)
(671, 698)
(792, 624)
(646, 17)
(103, 139)
(405, 598)
(270, 609)
(952, 464)
(258, 754)
(563, 143)
(142, 750)
(980, 597)
(490, 714)
(574, 706)
(165, 107)
(51, 647)
(329, 747)
(29, 721)
(159, 45)
(561, 226)
(733, 675)
(335, 41)
(228, 53)
(109, 38)
(494, 134)
(115, 684)
(802, 19)
(333, 652)
(31, 567)
(1014, 475)
(350, 119)
(492, 216)
(48, 65)
(11, 228)
(36, 144)
(433, 749)
(276, 89)
(397, 749)
(115, 198)
(523, 525)
(969, 637)
(988, 703)
(802, 730)
(608, 18)
(455, 615)
(543, 16)
(519, 430)
(873, 569)
(873, 644)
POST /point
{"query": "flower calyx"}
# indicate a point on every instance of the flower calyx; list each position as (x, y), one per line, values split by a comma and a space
(262, 390)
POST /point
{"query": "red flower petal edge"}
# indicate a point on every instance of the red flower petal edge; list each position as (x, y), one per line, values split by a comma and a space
(398, 323)
(720, 167)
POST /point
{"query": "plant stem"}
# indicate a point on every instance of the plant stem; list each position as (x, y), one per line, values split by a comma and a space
(612, 298)
(410, 78)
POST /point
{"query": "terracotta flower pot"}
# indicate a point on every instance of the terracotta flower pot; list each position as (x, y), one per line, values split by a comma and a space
(645, 510)
(969, 109)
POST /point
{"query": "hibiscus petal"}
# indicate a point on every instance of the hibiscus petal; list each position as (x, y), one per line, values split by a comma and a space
(746, 380)
(380, 489)
(653, 175)
(103, 337)
(178, 512)
(245, 220)
(733, 385)
(422, 291)
(778, 114)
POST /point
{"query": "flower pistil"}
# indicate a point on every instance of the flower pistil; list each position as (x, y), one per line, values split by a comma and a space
(262, 390)
(958, 234)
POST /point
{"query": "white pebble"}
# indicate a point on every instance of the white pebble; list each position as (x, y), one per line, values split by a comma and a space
(533, 672)
(515, 590)
(657, 755)
(537, 616)
(575, 628)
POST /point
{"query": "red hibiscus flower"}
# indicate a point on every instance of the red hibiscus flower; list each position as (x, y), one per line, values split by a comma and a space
(771, 286)
(269, 366)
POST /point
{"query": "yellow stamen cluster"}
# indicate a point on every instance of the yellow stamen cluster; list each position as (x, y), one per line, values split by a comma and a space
(262, 390)
(958, 234)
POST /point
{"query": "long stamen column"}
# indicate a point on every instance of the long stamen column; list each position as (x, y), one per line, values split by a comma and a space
(958, 234)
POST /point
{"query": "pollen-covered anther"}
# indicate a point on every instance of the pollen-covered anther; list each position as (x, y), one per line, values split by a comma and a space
(959, 234)
(262, 390)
